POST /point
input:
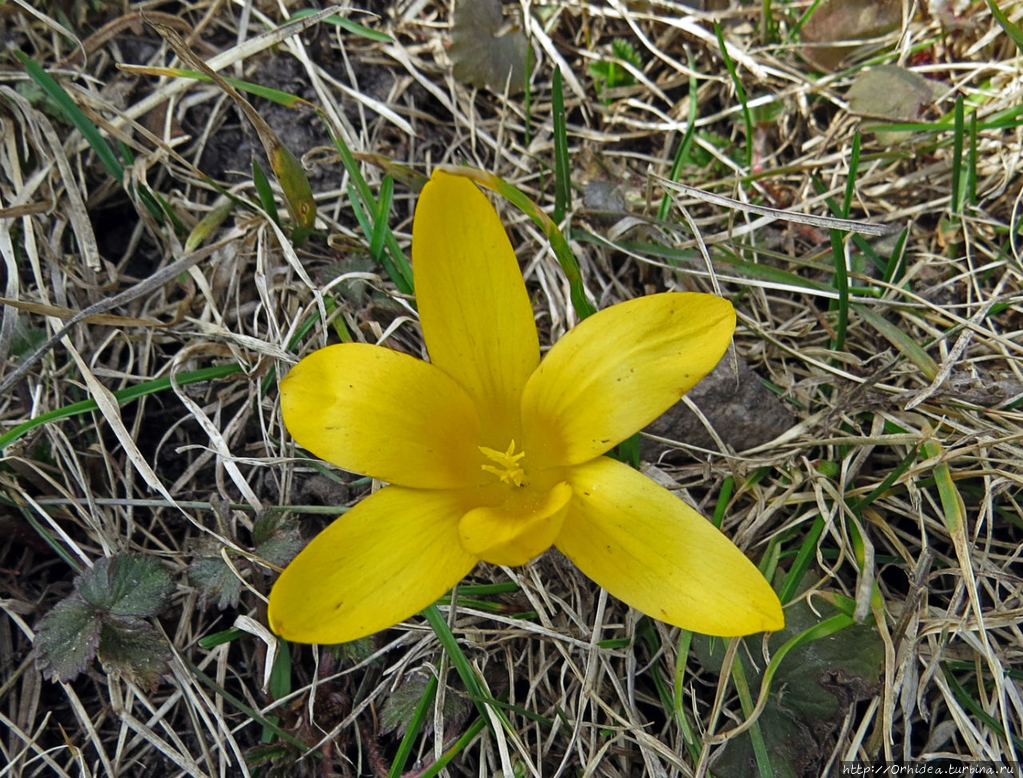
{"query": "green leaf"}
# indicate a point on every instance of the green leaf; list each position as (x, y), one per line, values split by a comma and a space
(400, 707)
(74, 114)
(67, 639)
(1011, 29)
(215, 580)
(122, 396)
(126, 585)
(347, 25)
(811, 691)
(277, 538)
(132, 648)
(480, 55)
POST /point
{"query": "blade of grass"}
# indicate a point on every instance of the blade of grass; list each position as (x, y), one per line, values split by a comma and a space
(682, 152)
(646, 632)
(562, 167)
(689, 735)
(75, 115)
(1011, 29)
(380, 226)
(806, 556)
(265, 192)
(345, 24)
(895, 268)
(740, 93)
(825, 628)
(252, 713)
(908, 347)
(803, 20)
(394, 261)
(959, 134)
(850, 181)
(266, 92)
(677, 257)
(727, 487)
(838, 251)
(764, 769)
(455, 750)
(971, 171)
(122, 396)
(412, 731)
(887, 482)
(975, 708)
(280, 684)
(469, 678)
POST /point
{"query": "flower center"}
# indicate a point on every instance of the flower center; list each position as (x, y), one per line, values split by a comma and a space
(506, 466)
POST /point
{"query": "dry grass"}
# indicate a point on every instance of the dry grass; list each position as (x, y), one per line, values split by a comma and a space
(924, 392)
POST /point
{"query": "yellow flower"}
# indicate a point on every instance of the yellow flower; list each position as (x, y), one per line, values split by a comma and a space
(495, 455)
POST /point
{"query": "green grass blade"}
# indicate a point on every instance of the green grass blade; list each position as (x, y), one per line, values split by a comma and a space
(345, 24)
(887, 482)
(381, 228)
(895, 268)
(903, 342)
(804, 558)
(803, 20)
(1011, 29)
(689, 734)
(682, 152)
(75, 115)
(727, 487)
(458, 660)
(249, 711)
(971, 170)
(455, 750)
(958, 189)
(265, 192)
(842, 287)
(394, 261)
(280, 684)
(740, 93)
(850, 181)
(122, 396)
(764, 769)
(412, 731)
(562, 167)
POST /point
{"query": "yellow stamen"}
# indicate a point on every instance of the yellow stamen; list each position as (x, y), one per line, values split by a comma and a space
(508, 468)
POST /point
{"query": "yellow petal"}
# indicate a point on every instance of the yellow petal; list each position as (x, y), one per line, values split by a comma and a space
(515, 532)
(381, 413)
(620, 369)
(387, 558)
(651, 550)
(476, 315)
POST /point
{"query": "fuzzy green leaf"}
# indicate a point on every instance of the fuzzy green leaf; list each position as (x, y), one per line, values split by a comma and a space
(277, 538)
(811, 692)
(67, 639)
(400, 706)
(126, 585)
(132, 648)
(215, 580)
(481, 55)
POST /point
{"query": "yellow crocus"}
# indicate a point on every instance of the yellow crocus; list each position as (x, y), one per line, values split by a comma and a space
(494, 454)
